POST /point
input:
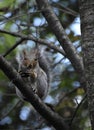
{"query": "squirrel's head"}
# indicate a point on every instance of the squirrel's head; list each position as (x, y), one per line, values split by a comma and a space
(28, 63)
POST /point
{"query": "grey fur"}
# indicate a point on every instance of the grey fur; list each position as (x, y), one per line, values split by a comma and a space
(40, 84)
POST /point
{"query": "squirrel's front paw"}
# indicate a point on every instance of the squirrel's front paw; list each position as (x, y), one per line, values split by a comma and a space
(33, 75)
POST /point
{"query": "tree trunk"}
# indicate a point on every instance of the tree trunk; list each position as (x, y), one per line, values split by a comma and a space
(87, 29)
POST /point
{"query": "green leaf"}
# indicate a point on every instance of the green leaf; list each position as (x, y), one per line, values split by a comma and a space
(6, 3)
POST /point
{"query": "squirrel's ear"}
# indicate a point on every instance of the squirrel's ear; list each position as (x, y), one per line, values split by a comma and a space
(24, 54)
(36, 54)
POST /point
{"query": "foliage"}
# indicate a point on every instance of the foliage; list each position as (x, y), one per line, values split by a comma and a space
(23, 17)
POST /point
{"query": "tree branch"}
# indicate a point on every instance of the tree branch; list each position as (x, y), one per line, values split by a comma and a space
(13, 47)
(59, 32)
(11, 109)
(64, 9)
(39, 40)
(52, 117)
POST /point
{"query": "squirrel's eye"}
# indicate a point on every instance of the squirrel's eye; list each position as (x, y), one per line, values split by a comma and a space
(35, 59)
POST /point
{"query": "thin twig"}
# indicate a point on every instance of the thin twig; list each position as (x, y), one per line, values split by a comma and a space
(71, 92)
(64, 9)
(58, 62)
(14, 46)
(11, 109)
(15, 17)
(74, 114)
(68, 93)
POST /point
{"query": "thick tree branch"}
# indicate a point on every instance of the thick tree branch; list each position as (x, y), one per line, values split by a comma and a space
(39, 40)
(52, 117)
(59, 32)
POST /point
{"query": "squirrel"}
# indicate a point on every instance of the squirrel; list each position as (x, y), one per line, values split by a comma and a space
(34, 70)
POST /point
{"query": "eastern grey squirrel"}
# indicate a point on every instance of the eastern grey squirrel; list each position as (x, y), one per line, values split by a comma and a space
(34, 70)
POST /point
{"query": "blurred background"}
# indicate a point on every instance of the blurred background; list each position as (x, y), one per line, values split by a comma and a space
(66, 95)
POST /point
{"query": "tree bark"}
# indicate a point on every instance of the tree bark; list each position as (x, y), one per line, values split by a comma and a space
(87, 29)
